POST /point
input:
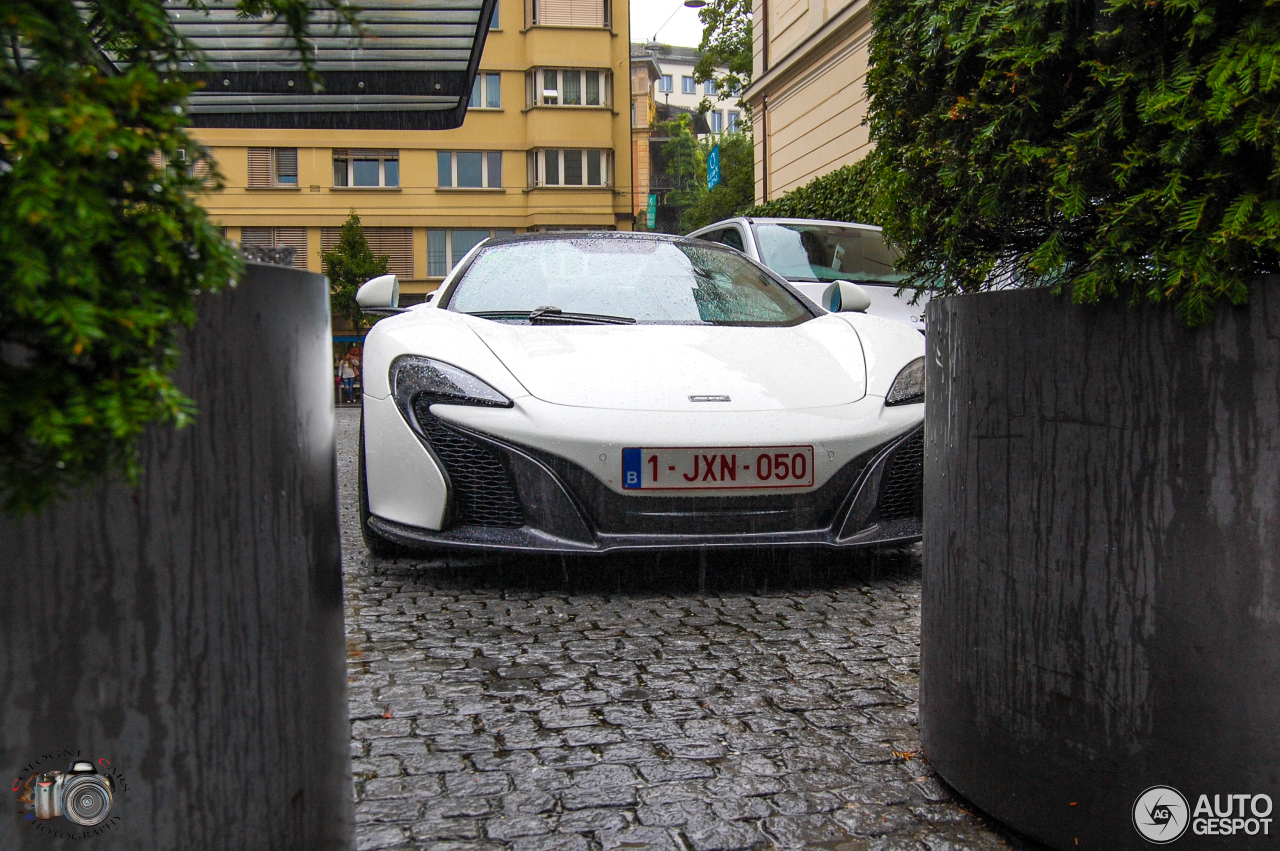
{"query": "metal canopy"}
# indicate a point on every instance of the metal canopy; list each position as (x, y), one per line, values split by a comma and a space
(412, 69)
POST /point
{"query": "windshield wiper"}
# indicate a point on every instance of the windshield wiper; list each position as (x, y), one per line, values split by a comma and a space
(555, 316)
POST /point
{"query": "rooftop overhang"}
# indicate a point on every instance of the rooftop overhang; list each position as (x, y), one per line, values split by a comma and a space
(412, 68)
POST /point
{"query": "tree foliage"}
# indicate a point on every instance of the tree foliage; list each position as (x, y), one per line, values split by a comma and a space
(349, 264)
(726, 43)
(102, 252)
(847, 194)
(685, 164)
(1120, 148)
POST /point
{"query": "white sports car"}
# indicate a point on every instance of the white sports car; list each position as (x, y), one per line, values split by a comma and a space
(585, 393)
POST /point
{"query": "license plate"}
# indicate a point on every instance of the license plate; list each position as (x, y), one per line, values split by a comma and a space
(721, 468)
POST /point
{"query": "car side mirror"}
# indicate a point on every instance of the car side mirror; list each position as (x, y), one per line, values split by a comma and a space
(845, 297)
(380, 295)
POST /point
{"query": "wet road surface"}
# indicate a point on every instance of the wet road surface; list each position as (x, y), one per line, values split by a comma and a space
(753, 700)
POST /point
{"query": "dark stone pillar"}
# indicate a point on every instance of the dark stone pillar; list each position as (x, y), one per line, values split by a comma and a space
(190, 630)
(1101, 601)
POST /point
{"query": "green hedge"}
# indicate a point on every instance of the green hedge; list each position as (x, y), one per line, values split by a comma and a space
(844, 195)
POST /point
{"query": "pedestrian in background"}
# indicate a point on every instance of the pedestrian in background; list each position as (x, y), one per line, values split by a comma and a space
(347, 371)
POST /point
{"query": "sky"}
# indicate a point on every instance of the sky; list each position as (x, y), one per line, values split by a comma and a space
(684, 29)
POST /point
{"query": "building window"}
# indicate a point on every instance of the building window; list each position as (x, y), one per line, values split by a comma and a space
(486, 92)
(709, 87)
(733, 121)
(395, 244)
(558, 167)
(446, 247)
(295, 238)
(688, 86)
(366, 168)
(664, 83)
(273, 167)
(469, 169)
(493, 22)
(717, 121)
(569, 87)
(567, 13)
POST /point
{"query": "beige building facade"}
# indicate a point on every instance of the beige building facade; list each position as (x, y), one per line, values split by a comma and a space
(546, 144)
(808, 96)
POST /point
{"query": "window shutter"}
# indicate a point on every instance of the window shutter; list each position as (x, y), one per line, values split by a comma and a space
(530, 12)
(257, 237)
(396, 244)
(156, 159)
(570, 13)
(259, 167)
(297, 238)
(287, 162)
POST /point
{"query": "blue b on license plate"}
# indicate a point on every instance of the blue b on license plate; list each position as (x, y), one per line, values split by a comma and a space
(718, 468)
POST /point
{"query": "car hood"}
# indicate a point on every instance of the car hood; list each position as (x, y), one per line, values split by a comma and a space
(659, 367)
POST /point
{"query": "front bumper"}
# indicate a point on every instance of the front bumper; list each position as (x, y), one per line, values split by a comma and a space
(507, 496)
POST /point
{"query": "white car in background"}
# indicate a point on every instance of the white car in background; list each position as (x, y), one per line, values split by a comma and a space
(584, 393)
(812, 254)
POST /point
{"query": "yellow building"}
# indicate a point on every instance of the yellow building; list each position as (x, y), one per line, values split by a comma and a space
(809, 95)
(546, 145)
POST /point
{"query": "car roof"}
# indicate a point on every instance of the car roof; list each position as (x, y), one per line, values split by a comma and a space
(586, 234)
(774, 220)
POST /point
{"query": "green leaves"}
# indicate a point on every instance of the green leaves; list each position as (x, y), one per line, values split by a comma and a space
(104, 247)
(1123, 149)
(349, 265)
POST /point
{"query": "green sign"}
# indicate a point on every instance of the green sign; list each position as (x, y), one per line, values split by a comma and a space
(652, 212)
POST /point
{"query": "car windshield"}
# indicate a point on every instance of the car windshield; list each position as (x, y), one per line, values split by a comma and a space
(806, 252)
(651, 281)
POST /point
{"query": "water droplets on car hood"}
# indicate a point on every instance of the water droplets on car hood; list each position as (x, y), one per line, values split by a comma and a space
(658, 367)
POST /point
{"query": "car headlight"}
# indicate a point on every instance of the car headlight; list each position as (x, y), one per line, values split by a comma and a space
(908, 387)
(413, 376)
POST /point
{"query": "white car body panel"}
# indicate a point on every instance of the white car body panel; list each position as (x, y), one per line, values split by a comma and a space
(658, 367)
(405, 485)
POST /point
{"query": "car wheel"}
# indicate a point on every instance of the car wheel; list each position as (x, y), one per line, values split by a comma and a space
(375, 543)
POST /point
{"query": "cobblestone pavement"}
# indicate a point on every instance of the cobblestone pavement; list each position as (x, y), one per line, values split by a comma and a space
(748, 701)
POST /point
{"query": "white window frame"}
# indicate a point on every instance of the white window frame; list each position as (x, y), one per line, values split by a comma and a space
(538, 168)
(717, 121)
(688, 86)
(664, 83)
(453, 166)
(449, 260)
(382, 171)
(709, 87)
(486, 82)
(731, 121)
(542, 94)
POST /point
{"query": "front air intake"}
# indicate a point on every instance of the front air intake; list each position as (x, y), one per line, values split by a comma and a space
(902, 493)
(481, 488)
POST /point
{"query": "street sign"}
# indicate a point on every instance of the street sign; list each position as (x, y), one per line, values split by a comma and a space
(652, 212)
(713, 167)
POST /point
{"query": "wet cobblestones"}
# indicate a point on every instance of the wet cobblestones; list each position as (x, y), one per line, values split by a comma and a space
(529, 704)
